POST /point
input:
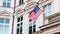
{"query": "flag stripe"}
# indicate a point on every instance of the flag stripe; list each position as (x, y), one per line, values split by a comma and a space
(35, 14)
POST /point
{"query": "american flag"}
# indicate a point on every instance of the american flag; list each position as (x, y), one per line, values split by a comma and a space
(35, 14)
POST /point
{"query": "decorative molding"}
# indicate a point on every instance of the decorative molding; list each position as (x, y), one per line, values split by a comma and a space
(5, 13)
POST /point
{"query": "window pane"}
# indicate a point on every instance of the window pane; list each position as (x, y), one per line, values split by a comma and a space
(45, 8)
(20, 2)
(18, 20)
(1, 26)
(7, 21)
(30, 30)
(18, 25)
(18, 31)
(6, 26)
(49, 6)
(49, 12)
(46, 14)
(21, 18)
(8, 4)
(5, 0)
(9, 0)
(1, 20)
(21, 29)
(34, 28)
(4, 4)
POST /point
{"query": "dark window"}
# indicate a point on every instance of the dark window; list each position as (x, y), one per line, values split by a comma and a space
(21, 30)
(7, 21)
(18, 20)
(21, 18)
(34, 28)
(1, 20)
(8, 4)
(21, 23)
(18, 31)
(17, 25)
(4, 4)
(9, 0)
(21, 2)
(30, 30)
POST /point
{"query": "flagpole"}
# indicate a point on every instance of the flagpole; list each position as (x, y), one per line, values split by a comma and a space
(13, 16)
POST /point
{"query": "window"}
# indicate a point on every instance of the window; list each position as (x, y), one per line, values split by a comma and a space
(19, 29)
(21, 2)
(30, 30)
(19, 25)
(6, 3)
(4, 25)
(1, 20)
(32, 27)
(20, 19)
(1, 26)
(47, 9)
(7, 21)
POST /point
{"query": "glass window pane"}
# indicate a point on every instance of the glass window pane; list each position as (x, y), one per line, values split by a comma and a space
(46, 14)
(7, 21)
(49, 13)
(45, 8)
(34, 28)
(8, 4)
(1, 20)
(7, 26)
(20, 2)
(5, 0)
(9, 0)
(17, 30)
(18, 25)
(18, 20)
(30, 30)
(21, 18)
(49, 6)
(4, 4)
(1, 26)
(21, 29)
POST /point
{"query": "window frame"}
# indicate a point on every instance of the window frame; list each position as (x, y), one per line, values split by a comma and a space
(47, 10)
(6, 1)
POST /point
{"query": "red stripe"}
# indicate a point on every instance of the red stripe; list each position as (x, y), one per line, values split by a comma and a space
(34, 16)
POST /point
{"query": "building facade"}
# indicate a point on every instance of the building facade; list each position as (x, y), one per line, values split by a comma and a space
(51, 18)
(14, 15)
